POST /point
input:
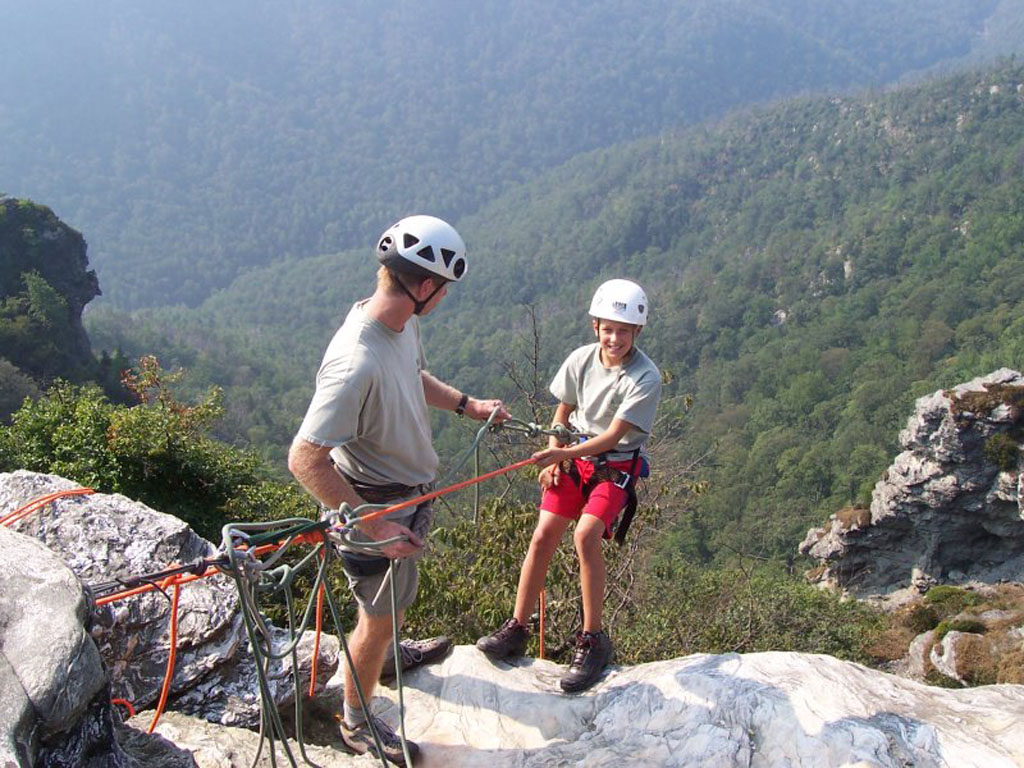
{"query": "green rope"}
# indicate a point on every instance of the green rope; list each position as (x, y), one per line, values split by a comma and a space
(253, 577)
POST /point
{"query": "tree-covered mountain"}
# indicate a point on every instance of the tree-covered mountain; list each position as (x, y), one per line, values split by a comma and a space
(45, 283)
(812, 267)
(193, 141)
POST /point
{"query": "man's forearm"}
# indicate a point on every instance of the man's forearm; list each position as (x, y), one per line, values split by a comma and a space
(438, 394)
(311, 466)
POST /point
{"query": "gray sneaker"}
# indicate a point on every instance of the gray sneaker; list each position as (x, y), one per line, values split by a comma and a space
(360, 740)
(415, 653)
(592, 653)
(508, 640)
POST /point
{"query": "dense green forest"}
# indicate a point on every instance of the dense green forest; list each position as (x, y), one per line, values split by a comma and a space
(194, 141)
(812, 267)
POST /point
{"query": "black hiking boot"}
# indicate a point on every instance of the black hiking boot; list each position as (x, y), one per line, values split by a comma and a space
(592, 654)
(508, 640)
(415, 653)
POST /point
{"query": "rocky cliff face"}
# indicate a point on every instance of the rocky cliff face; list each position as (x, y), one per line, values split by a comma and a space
(34, 240)
(950, 509)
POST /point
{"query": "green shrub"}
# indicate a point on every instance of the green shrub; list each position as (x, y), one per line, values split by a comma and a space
(1003, 451)
(950, 600)
(157, 451)
(920, 618)
(958, 625)
(468, 586)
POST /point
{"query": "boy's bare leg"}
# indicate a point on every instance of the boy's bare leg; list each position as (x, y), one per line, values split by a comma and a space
(546, 536)
(368, 644)
(587, 539)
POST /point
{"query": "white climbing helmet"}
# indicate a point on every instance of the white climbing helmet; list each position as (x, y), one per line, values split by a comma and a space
(423, 245)
(620, 300)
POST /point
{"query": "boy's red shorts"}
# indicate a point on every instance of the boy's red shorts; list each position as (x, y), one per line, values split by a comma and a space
(605, 501)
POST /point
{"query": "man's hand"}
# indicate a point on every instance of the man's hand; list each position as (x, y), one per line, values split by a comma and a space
(481, 410)
(381, 530)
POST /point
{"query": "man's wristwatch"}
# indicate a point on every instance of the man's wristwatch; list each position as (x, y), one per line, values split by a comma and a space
(460, 409)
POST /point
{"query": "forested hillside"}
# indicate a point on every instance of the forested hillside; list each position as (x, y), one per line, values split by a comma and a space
(193, 141)
(812, 267)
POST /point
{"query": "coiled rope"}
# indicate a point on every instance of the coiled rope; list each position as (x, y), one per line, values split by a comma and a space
(243, 544)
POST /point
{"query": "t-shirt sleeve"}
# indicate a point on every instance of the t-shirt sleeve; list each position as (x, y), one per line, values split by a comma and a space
(564, 385)
(640, 404)
(332, 418)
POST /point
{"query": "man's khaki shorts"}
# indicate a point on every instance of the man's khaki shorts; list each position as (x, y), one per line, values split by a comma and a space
(373, 592)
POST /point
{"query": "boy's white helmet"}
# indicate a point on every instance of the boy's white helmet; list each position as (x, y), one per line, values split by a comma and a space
(425, 246)
(620, 300)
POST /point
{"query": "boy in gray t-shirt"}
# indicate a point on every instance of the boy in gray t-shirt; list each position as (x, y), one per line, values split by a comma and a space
(609, 391)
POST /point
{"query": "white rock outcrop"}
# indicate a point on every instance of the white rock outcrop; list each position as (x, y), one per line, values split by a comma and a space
(761, 710)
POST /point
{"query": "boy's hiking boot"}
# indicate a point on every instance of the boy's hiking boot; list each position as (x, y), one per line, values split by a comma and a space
(592, 654)
(415, 653)
(359, 740)
(508, 640)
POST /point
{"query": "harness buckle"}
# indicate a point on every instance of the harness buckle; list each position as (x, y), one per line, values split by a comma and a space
(624, 480)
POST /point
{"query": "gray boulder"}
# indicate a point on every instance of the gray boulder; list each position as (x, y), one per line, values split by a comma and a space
(949, 510)
(54, 699)
(105, 537)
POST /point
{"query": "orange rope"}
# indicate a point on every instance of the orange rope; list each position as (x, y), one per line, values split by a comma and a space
(306, 538)
(543, 601)
(126, 704)
(316, 642)
(42, 501)
(450, 489)
(174, 651)
(184, 578)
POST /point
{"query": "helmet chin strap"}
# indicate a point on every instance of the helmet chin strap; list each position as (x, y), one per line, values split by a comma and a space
(417, 305)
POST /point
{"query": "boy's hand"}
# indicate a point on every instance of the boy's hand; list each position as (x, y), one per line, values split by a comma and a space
(549, 456)
(549, 476)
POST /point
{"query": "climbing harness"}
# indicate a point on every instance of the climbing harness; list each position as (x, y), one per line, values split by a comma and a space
(625, 480)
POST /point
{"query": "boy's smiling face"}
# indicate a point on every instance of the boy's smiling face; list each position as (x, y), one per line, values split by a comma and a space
(616, 340)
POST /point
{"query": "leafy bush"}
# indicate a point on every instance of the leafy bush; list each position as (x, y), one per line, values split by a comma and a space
(949, 600)
(156, 451)
(468, 584)
(958, 625)
(684, 609)
(1003, 451)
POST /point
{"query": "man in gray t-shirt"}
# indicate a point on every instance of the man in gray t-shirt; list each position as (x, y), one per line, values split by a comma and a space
(366, 438)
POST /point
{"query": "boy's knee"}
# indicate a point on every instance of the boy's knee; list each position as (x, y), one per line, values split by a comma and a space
(587, 537)
(546, 536)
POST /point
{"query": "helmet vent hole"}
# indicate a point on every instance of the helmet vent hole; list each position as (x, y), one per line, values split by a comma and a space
(459, 269)
(426, 253)
(410, 240)
(385, 244)
(447, 254)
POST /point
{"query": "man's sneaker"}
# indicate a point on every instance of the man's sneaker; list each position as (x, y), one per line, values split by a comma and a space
(508, 640)
(415, 653)
(360, 740)
(592, 654)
